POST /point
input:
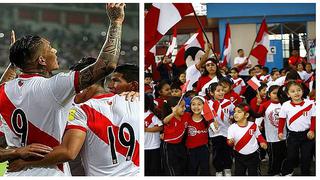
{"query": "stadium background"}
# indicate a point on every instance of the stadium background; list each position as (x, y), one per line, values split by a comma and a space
(75, 30)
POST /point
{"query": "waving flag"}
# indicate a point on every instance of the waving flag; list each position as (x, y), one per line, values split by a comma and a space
(173, 43)
(227, 46)
(262, 42)
(195, 41)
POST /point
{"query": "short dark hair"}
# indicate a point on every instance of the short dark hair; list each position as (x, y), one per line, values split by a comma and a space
(239, 50)
(235, 69)
(265, 69)
(273, 72)
(24, 50)
(147, 75)
(192, 51)
(130, 72)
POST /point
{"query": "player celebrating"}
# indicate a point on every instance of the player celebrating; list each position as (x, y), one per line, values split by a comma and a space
(32, 106)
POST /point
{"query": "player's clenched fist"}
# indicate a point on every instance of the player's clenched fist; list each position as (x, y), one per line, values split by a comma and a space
(115, 12)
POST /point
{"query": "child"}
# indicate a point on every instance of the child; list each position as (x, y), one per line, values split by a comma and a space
(270, 114)
(260, 98)
(244, 136)
(148, 83)
(229, 93)
(299, 116)
(302, 73)
(152, 128)
(173, 149)
(239, 85)
(176, 89)
(182, 77)
(265, 77)
(197, 139)
(309, 76)
(274, 76)
(162, 92)
(222, 159)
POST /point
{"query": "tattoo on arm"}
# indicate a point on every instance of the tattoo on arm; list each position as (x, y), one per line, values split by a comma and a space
(107, 59)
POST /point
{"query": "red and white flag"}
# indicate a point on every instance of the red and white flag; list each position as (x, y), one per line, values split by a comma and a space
(254, 83)
(208, 114)
(227, 46)
(262, 42)
(160, 18)
(173, 43)
(195, 40)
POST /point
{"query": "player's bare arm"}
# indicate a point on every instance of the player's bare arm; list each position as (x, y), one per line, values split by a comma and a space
(31, 151)
(67, 151)
(109, 54)
(10, 72)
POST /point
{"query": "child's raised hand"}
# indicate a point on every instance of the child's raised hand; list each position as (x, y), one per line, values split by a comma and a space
(310, 135)
(230, 142)
(280, 136)
(264, 146)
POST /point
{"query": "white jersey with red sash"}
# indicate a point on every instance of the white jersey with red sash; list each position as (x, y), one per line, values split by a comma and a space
(151, 139)
(112, 140)
(298, 116)
(245, 138)
(271, 111)
(33, 110)
(223, 109)
(237, 85)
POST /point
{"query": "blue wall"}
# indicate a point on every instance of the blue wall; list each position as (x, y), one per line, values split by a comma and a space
(241, 13)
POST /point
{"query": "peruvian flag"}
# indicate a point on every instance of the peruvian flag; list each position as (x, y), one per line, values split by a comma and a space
(173, 43)
(195, 40)
(261, 44)
(160, 18)
(254, 83)
(208, 114)
(227, 46)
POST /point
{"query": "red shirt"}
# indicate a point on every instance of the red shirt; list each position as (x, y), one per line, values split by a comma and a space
(197, 133)
(233, 97)
(203, 80)
(174, 130)
(253, 104)
(295, 60)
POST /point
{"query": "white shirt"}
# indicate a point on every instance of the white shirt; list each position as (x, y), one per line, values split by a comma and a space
(304, 112)
(33, 110)
(151, 139)
(236, 132)
(271, 122)
(238, 84)
(111, 146)
(240, 60)
(192, 74)
(224, 112)
(303, 75)
(203, 89)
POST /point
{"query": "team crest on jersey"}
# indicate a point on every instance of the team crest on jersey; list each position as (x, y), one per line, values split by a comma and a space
(192, 131)
(305, 113)
(72, 114)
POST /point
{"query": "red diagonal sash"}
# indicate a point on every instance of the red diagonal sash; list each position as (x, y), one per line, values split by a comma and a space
(148, 120)
(246, 138)
(300, 113)
(236, 84)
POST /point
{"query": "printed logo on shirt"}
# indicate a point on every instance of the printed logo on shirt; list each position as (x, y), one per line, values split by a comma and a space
(251, 132)
(305, 113)
(192, 131)
(274, 117)
(72, 114)
(20, 83)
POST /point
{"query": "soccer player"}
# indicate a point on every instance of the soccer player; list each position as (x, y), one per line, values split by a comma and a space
(32, 107)
(106, 127)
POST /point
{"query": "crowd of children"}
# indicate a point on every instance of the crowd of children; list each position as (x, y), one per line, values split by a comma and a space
(277, 119)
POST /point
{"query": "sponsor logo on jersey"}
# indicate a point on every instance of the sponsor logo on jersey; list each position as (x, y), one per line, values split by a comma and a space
(72, 114)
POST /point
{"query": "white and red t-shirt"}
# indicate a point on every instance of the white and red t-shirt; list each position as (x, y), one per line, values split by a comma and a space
(192, 74)
(298, 117)
(245, 138)
(33, 110)
(266, 78)
(197, 133)
(112, 140)
(151, 139)
(240, 60)
(175, 129)
(238, 85)
(270, 111)
(223, 109)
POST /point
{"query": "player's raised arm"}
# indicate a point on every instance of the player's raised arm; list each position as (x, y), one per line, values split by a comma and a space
(109, 54)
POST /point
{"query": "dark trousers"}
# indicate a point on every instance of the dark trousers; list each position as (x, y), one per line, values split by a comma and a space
(262, 152)
(152, 162)
(222, 158)
(250, 162)
(198, 158)
(298, 141)
(174, 159)
(277, 152)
